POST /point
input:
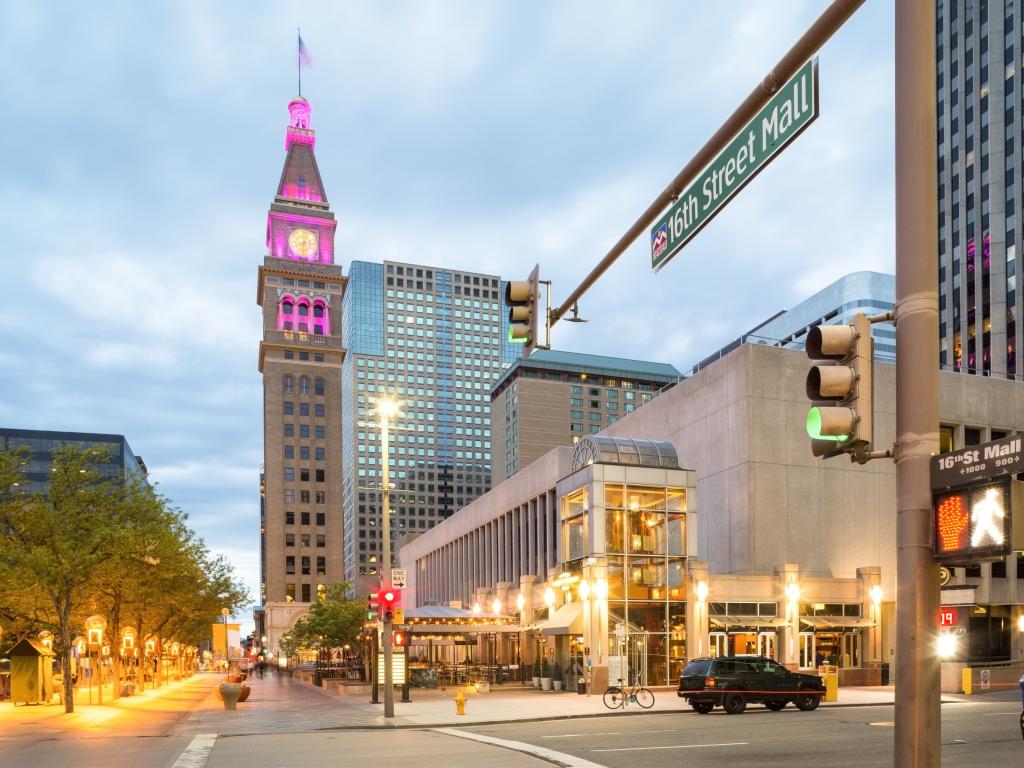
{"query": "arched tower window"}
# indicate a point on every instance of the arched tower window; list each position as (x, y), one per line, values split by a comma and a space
(302, 319)
(304, 386)
(286, 314)
(321, 318)
(318, 386)
(289, 385)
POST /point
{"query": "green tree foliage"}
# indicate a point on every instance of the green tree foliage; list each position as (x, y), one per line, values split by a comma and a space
(332, 623)
(113, 547)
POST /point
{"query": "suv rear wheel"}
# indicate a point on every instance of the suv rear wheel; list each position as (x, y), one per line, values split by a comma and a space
(734, 703)
(702, 707)
(807, 702)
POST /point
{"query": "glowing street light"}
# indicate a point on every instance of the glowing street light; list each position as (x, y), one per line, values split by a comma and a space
(386, 408)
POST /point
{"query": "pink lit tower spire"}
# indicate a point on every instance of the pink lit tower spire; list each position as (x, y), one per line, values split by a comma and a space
(301, 202)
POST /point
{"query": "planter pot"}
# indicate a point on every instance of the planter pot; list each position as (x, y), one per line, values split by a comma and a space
(246, 690)
(230, 693)
(536, 682)
(545, 683)
(557, 684)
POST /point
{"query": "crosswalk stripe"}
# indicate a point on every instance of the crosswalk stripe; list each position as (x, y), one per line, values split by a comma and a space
(197, 752)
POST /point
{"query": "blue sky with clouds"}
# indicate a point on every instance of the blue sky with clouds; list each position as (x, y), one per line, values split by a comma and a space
(143, 143)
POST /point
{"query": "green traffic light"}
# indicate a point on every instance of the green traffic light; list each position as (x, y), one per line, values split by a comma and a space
(814, 427)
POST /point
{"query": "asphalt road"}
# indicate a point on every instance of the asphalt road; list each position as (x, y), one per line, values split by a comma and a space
(983, 731)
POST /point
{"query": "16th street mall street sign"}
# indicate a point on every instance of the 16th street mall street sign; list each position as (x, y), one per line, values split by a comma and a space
(783, 118)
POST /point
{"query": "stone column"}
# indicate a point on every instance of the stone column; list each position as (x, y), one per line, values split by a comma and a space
(786, 575)
(526, 587)
(870, 587)
(697, 622)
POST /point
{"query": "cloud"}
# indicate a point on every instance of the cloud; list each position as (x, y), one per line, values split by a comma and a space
(487, 136)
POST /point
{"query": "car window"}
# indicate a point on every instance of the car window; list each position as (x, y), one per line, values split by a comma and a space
(699, 667)
(775, 668)
(724, 667)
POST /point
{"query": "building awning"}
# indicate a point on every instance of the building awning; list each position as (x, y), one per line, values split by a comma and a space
(426, 628)
(567, 620)
(725, 622)
(837, 622)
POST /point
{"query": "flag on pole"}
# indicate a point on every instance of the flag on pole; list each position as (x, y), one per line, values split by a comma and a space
(303, 53)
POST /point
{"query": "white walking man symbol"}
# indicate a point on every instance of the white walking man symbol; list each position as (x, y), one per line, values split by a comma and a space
(984, 515)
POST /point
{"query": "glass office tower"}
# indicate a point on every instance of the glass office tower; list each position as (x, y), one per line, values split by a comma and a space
(436, 340)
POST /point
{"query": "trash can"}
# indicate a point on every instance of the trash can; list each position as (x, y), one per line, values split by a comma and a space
(885, 673)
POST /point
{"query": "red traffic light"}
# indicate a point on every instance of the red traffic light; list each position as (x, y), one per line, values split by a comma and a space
(389, 597)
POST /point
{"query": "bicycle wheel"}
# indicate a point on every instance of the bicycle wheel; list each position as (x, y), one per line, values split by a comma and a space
(644, 698)
(613, 698)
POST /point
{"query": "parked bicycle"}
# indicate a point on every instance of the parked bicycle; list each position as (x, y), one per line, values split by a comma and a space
(617, 696)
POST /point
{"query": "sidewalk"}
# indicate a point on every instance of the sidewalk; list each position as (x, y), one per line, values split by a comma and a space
(149, 713)
(280, 704)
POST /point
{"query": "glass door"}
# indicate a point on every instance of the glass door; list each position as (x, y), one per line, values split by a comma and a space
(851, 649)
(718, 644)
(637, 653)
(807, 658)
(766, 644)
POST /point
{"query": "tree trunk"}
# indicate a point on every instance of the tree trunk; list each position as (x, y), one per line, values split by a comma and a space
(64, 626)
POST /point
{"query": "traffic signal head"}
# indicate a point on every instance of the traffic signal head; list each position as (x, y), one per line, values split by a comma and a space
(372, 606)
(388, 603)
(840, 387)
(398, 638)
(523, 299)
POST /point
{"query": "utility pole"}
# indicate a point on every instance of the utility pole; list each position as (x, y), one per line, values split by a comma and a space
(918, 723)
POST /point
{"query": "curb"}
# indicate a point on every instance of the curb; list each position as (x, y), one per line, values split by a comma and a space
(549, 718)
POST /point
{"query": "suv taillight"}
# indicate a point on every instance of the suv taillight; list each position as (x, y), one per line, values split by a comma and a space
(709, 682)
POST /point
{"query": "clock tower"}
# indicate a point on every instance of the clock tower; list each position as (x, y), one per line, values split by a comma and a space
(300, 289)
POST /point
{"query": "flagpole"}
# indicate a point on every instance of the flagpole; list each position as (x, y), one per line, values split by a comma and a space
(298, 53)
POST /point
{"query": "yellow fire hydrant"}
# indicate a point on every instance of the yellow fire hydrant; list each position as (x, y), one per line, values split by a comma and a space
(460, 703)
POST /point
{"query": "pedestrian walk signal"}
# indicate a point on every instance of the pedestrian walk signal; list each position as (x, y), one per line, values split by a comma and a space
(976, 523)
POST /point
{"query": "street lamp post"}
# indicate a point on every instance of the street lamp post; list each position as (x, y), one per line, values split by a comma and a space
(94, 627)
(386, 408)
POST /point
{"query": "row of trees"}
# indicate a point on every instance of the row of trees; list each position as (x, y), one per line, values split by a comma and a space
(90, 544)
(334, 622)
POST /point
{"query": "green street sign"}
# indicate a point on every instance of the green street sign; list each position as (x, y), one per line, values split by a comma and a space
(783, 118)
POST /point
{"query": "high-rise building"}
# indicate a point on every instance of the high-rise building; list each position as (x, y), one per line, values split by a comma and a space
(978, 49)
(300, 291)
(872, 293)
(435, 339)
(554, 398)
(120, 461)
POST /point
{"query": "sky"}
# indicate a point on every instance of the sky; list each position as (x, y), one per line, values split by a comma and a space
(144, 141)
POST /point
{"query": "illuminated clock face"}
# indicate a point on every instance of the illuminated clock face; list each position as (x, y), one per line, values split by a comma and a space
(303, 243)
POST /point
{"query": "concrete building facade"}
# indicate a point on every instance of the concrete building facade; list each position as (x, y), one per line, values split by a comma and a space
(554, 398)
(793, 557)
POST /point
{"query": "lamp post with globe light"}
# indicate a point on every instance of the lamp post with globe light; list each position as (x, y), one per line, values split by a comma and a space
(94, 627)
(386, 409)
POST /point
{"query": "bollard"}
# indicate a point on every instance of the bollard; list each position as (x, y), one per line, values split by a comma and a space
(460, 703)
(831, 680)
(965, 680)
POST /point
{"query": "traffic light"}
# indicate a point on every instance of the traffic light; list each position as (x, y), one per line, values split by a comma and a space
(523, 299)
(389, 603)
(398, 638)
(373, 606)
(841, 388)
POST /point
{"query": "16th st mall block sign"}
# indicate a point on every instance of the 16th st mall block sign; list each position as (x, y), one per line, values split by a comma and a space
(783, 118)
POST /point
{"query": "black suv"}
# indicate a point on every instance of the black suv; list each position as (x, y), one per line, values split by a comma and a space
(732, 681)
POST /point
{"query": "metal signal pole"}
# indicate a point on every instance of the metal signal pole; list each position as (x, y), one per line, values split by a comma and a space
(918, 723)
